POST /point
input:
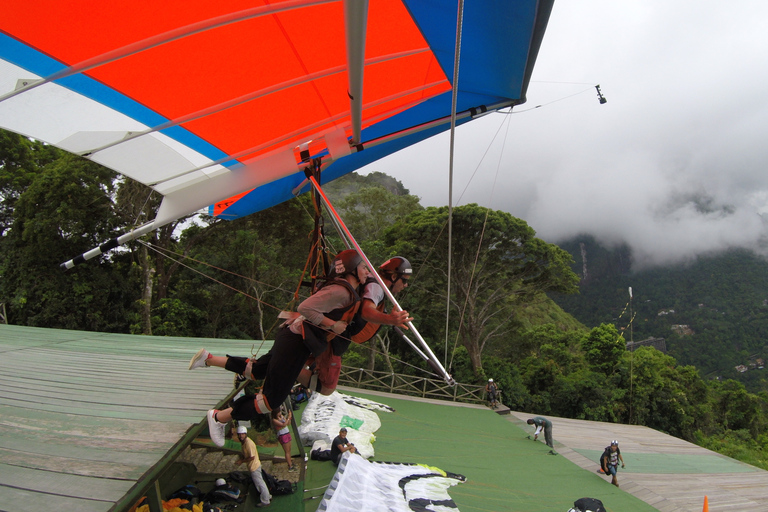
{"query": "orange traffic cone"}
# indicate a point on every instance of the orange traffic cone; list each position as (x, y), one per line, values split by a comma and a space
(706, 505)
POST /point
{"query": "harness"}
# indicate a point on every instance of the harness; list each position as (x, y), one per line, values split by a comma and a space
(362, 330)
(317, 338)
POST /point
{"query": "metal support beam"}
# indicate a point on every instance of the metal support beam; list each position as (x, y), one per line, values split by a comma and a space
(432, 359)
(355, 25)
(111, 244)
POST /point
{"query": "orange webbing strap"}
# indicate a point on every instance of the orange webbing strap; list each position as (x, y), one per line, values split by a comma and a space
(261, 404)
(370, 329)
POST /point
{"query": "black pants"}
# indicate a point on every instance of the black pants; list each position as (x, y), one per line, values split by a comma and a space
(280, 367)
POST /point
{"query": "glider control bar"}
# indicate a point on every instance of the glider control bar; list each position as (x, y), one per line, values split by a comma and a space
(431, 358)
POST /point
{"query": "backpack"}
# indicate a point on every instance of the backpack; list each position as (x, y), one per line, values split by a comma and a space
(226, 493)
(323, 455)
(277, 487)
(588, 505)
(241, 477)
(188, 492)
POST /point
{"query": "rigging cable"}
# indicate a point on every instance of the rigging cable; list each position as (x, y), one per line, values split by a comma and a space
(549, 103)
(170, 255)
(485, 222)
(631, 354)
(454, 96)
(167, 254)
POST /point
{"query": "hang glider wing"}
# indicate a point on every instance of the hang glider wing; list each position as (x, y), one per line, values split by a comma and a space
(218, 103)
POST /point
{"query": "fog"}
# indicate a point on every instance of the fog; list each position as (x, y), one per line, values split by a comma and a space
(673, 164)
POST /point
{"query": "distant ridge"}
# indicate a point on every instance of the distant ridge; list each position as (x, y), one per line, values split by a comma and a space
(712, 311)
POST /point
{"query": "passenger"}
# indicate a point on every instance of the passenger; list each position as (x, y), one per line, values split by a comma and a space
(395, 274)
(321, 317)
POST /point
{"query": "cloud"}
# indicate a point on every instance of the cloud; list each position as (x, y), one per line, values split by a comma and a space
(673, 165)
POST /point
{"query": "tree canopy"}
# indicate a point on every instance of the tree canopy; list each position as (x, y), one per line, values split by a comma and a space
(498, 265)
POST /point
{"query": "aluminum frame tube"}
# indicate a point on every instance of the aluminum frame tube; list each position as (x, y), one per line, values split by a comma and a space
(346, 233)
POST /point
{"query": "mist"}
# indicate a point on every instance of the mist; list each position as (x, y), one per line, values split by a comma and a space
(673, 164)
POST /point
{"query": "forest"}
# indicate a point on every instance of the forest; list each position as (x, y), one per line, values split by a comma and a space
(204, 277)
(712, 311)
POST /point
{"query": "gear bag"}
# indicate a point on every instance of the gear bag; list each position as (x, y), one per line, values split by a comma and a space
(587, 505)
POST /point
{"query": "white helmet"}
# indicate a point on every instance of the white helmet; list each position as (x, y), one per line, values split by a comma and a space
(490, 380)
(220, 482)
(242, 429)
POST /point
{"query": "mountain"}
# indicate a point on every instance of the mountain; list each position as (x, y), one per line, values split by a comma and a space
(352, 182)
(712, 311)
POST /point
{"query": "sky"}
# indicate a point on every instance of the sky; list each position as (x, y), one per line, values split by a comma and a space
(674, 164)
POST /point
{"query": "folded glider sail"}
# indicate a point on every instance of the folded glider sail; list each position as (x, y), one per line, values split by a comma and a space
(217, 104)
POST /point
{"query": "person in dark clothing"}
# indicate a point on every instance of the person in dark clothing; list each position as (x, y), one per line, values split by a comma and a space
(493, 392)
(609, 461)
(340, 445)
(320, 318)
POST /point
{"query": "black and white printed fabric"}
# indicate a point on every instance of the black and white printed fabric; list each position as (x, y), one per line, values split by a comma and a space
(325, 415)
(392, 487)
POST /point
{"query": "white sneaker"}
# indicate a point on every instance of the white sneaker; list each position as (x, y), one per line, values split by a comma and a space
(198, 360)
(216, 430)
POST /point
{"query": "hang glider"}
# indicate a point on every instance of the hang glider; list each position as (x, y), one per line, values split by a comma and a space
(219, 104)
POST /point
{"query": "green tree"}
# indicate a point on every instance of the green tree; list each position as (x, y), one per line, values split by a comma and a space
(247, 270)
(20, 161)
(603, 347)
(657, 393)
(735, 408)
(368, 211)
(137, 204)
(498, 265)
(60, 210)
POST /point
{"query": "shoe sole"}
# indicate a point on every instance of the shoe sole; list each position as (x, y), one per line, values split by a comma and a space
(195, 359)
(212, 424)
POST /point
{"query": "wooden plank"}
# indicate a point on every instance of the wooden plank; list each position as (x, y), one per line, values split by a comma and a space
(22, 500)
(91, 427)
(74, 466)
(135, 449)
(139, 411)
(84, 415)
(62, 484)
(66, 392)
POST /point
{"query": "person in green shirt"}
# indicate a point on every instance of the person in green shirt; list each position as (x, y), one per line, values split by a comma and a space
(545, 425)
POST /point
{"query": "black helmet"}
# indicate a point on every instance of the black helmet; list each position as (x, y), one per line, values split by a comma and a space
(346, 262)
(397, 265)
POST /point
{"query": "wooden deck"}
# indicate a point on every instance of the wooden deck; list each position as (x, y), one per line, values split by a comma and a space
(86, 418)
(668, 473)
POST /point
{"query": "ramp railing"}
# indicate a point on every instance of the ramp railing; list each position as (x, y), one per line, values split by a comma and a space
(411, 385)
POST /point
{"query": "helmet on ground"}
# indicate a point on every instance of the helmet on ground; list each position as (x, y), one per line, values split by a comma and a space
(396, 265)
(346, 262)
(242, 430)
(220, 482)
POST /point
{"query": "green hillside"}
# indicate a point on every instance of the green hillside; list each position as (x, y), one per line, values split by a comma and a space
(712, 312)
